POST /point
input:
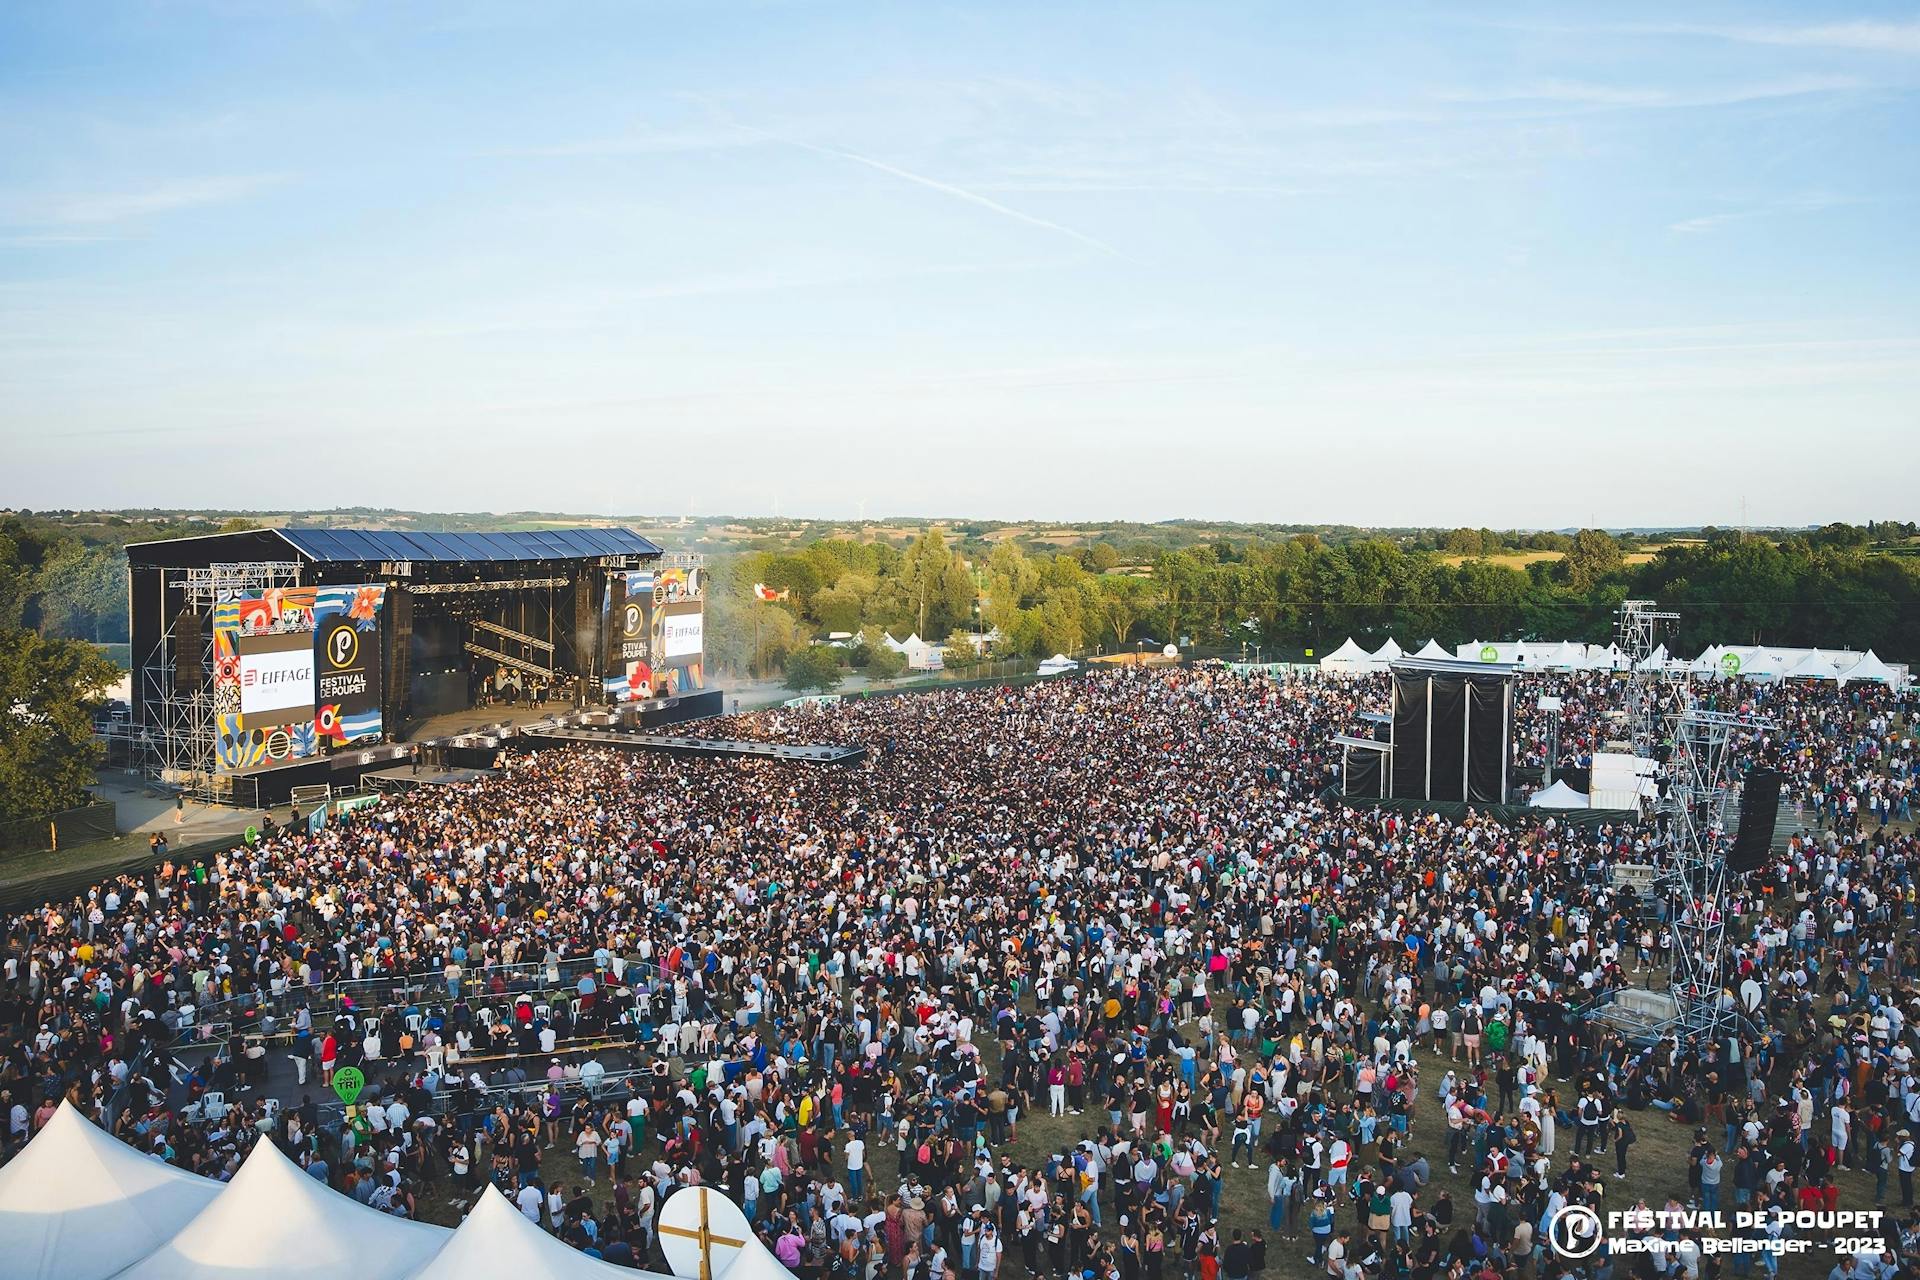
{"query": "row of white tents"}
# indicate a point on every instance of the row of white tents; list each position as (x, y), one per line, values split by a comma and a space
(1754, 662)
(78, 1204)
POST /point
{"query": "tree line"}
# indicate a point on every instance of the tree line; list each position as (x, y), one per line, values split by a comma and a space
(1287, 596)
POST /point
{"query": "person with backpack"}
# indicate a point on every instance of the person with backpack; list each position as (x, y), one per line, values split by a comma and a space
(1623, 1138)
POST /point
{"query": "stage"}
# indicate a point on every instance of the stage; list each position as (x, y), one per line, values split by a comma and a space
(695, 746)
(409, 778)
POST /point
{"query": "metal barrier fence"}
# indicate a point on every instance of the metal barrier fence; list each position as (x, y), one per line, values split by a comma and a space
(57, 830)
(386, 991)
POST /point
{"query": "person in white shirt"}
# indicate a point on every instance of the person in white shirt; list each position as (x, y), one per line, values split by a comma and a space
(856, 1153)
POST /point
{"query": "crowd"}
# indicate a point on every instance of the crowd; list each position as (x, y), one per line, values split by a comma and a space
(1089, 978)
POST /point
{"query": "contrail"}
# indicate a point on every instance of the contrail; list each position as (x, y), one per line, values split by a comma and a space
(946, 188)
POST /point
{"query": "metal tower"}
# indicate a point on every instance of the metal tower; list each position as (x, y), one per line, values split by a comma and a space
(1699, 807)
(1637, 634)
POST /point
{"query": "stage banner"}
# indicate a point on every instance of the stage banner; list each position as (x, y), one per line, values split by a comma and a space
(679, 639)
(346, 658)
(263, 679)
(630, 652)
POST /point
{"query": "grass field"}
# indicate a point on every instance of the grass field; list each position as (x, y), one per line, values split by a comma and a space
(1508, 559)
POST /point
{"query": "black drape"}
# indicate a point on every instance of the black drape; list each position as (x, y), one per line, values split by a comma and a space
(1363, 773)
(1448, 707)
(1409, 736)
(1487, 740)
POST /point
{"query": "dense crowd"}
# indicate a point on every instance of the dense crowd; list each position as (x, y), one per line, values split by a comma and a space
(1088, 978)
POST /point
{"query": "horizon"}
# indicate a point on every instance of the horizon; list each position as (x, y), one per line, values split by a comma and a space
(1559, 270)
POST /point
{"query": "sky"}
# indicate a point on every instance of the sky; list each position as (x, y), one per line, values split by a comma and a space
(1527, 265)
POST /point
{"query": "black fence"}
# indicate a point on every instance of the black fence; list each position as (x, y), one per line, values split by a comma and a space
(56, 830)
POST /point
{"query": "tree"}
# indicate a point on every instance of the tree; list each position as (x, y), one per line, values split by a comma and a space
(1593, 556)
(47, 751)
(884, 664)
(813, 667)
(83, 593)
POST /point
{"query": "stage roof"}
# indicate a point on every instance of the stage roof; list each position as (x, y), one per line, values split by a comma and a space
(361, 546)
(543, 544)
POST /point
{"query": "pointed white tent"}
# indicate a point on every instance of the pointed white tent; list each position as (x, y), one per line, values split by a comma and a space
(1655, 661)
(697, 1221)
(1759, 664)
(1871, 668)
(755, 1263)
(1557, 796)
(1348, 659)
(1569, 656)
(496, 1242)
(78, 1204)
(1387, 652)
(1432, 649)
(1815, 666)
(274, 1220)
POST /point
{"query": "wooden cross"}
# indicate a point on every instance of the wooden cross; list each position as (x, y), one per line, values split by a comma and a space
(704, 1235)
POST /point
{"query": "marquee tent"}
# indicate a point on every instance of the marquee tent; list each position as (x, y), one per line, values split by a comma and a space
(1605, 657)
(1759, 664)
(1870, 668)
(274, 1220)
(496, 1242)
(1557, 796)
(78, 1204)
(1432, 649)
(1569, 656)
(1348, 659)
(1655, 661)
(1386, 653)
(1815, 666)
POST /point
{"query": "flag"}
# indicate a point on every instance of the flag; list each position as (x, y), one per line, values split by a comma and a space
(761, 591)
(317, 820)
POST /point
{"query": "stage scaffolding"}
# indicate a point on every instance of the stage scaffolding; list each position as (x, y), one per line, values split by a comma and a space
(177, 743)
(1701, 809)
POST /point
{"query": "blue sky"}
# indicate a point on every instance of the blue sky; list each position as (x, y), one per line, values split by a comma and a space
(1426, 263)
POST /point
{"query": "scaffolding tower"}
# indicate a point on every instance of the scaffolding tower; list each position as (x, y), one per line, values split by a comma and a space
(1700, 809)
(1637, 633)
(177, 741)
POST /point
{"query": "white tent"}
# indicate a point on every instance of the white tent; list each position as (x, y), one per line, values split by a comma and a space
(1432, 649)
(78, 1204)
(1759, 664)
(1655, 661)
(1815, 666)
(1605, 657)
(496, 1242)
(1386, 653)
(1870, 668)
(1569, 656)
(920, 655)
(697, 1218)
(274, 1220)
(1348, 659)
(755, 1262)
(1557, 796)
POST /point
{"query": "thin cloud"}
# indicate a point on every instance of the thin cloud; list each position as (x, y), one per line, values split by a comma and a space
(945, 188)
(633, 144)
(1811, 203)
(168, 197)
(1868, 37)
(1581, 93)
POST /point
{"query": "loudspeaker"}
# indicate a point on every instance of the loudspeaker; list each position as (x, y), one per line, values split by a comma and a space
(188, 670)
(1759, 813)
(399, 687)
